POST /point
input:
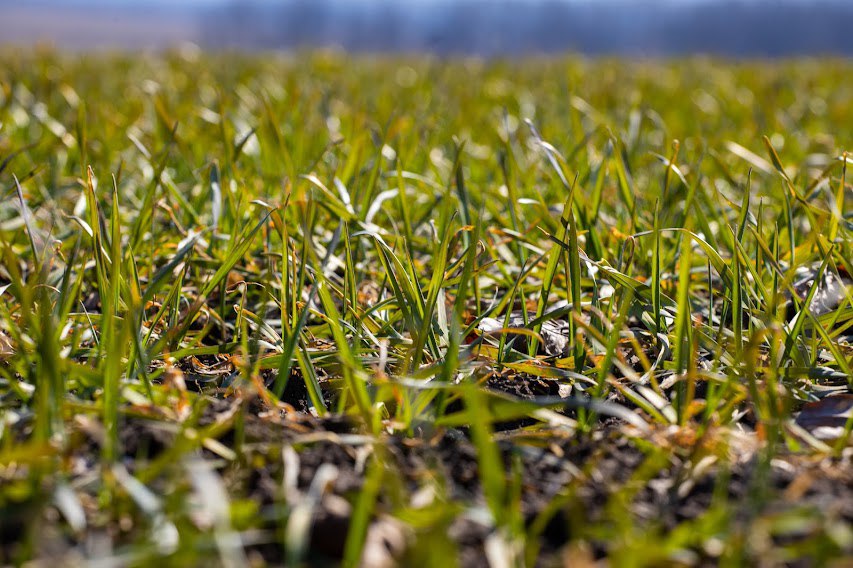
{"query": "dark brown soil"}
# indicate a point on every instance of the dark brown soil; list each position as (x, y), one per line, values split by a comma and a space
(588, 475)
(586, 470)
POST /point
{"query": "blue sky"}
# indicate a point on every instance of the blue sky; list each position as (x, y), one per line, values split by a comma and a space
(213, 2)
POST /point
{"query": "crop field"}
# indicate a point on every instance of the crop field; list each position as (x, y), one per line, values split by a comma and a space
(335, 310)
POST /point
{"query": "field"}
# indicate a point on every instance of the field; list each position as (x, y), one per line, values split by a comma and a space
(322, 310)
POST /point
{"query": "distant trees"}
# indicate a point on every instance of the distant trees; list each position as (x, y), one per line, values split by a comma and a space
(731, 27)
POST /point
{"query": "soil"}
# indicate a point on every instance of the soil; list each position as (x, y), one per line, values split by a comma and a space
(588, 474)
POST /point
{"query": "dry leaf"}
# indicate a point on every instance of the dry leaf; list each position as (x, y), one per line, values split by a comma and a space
(827, 418)
(7, 349)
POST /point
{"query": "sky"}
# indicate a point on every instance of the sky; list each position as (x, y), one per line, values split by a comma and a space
(215, 2)
(492, 27)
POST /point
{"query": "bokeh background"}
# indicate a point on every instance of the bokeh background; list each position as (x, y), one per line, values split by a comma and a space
(747, 28)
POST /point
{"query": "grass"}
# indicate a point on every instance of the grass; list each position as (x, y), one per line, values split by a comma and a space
(264, 309)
